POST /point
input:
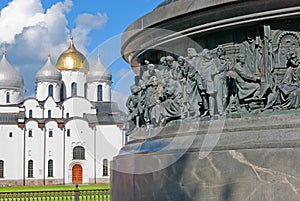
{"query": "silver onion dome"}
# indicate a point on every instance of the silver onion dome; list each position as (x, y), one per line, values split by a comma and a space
(48, 73)
(10, 78)
(99, 72)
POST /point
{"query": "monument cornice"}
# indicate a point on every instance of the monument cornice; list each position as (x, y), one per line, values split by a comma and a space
(214, 16)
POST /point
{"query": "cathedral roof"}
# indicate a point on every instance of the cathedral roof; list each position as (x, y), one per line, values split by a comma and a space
(99, 72)
(10, 78)
(72, 59)
(48, 72)
(108, 113)
(9, 117)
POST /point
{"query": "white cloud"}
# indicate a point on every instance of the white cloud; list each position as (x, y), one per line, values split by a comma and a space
(17, 15)
(31, 31)
(89, 21)
(85, 23)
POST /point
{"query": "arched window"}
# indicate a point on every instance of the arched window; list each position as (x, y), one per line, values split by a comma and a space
(30, 133)
(49, 113)
(68, 133)
(105, 167)
(8, 97)
(79, 153)
(68, 115)
(30, 114)
(73, 89)
(62, 92)
(1, 169)
(30, 168)
(99, 93)
(50, 90)
(50, 168)
(50, 133)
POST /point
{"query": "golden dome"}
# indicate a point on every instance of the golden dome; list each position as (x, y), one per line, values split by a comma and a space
(72, 59)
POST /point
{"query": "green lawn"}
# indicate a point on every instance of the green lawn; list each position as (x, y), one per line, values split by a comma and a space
(52, 188)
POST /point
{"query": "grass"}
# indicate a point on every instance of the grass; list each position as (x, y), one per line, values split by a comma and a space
(52, 188)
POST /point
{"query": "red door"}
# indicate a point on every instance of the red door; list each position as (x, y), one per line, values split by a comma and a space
(77, 174)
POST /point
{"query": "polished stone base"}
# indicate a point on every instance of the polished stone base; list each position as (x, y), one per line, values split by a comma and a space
(254, 158)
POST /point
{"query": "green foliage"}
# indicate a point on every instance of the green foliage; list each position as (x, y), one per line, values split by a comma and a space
(52, 188)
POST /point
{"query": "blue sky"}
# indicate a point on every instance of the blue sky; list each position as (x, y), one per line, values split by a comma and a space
(32, 28)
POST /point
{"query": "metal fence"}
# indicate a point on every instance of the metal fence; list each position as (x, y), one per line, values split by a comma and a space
(74, 195)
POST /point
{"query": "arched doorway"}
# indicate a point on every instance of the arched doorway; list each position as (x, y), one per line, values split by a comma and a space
(77, 174)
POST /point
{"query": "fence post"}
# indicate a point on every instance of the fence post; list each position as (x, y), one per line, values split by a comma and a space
(76, 193)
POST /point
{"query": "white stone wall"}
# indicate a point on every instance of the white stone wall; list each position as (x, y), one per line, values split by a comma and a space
(68, 77)
(34, 150)
(42, 91)
(92, 91)
(11, 152)
(101, 142)
(41, 111)
(50, 104)
(108, 144)
(5, 109)
(80, 135)
(16, 96)
(77, 106)
(33, 104)
(54, 150)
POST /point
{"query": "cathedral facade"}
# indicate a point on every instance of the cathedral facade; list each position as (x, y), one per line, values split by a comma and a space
(68, 133)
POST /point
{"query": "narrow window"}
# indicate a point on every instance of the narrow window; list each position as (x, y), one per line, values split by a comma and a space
(50, 168)
(30, 168)
(30, 114)
(10, 134)
(1, 169)
(62, 92)
(68, 133)
(79, 153)
(7, 97)
(49, 113)
(68, 115)
(50, 134)
(105, 167)
(99, 93)
(73, 89)
(50, 90)
(30, 133)
(85, 90)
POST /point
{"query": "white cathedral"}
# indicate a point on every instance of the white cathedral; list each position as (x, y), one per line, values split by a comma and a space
(68, 133)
